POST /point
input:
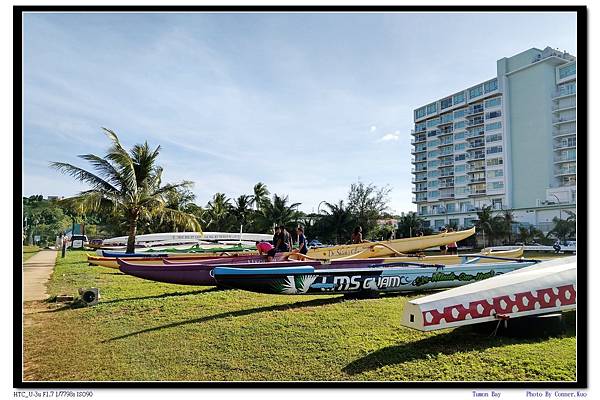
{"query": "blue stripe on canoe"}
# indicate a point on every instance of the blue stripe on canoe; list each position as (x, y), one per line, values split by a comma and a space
(262, 271)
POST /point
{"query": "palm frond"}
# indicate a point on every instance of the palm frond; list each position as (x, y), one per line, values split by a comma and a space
(84, 176)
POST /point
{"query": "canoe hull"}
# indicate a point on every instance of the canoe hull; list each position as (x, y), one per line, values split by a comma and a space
(390, 247)
(377, 278)
(544, 288)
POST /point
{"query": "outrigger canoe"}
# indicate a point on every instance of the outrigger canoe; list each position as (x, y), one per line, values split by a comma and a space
(201, 274)
(401, 277)
(545, 288)
(111, 262)
(389, 247)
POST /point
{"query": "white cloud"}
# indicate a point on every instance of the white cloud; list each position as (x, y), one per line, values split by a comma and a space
(373, 128)
(390, 136)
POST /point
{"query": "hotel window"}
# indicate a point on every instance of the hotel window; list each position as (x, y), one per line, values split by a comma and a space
(433, 164)
(490, 86)
(460, 168)
(420, 113)
(459, 135)
(460, 157)
(431, 108)
(433, 153)
(494, 161)
(495, 173)
(432, 185)
(567, 88)
(460, 124)
(493, 126)
(433, 194)
(567, 71)
(451, 207)
(453, 221)
(493, 114)
(459, 113)
(494, 138)
(460, 179)
(475, 92)
(496, 185)
(446, 103)
(496, 101)
(446, 118)
(421, 126)
(433, 174)
(460, 146)
(459, 97)
(433, 122)
(469, 222)
(433, 143)
(423, 210)
(494, 149)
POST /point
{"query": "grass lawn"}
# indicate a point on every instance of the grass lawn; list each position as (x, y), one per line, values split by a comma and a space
(143, 330)
(29, 251)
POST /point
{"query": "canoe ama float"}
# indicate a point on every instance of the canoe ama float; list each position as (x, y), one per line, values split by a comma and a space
(375, 278)
(389, 247)
(544, 288)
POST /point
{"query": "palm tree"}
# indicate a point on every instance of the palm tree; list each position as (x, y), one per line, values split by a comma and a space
(242, 209)
(484, 222)
(218, 212)
(409, 224)
(261, 194)
(278, 211)
(340, 221)
(508, 219)
(129, 183)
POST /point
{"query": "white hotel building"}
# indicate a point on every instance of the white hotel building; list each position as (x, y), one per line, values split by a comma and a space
(509, 142)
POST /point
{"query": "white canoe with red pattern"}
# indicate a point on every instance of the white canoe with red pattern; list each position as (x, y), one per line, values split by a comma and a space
(543, 288)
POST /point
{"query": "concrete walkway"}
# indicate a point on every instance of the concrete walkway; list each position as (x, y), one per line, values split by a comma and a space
(36, 272)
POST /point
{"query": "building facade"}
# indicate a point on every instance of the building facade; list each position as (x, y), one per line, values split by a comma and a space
(508, 143)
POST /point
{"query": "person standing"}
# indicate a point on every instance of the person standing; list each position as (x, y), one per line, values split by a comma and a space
(287, 239)
(452, 247)
(357, 235)
(302, 245)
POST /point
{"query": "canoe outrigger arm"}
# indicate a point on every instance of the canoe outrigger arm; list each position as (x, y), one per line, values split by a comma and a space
(476, 257)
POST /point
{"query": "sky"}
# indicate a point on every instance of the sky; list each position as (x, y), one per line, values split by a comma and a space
(306, 103)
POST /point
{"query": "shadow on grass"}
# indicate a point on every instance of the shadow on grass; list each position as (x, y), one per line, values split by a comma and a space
(462, 339)
(240, 313)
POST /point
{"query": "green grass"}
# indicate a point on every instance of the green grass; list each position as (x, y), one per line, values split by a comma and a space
(29, 251)
(143, 330)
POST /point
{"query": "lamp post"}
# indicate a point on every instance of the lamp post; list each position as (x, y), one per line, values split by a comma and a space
(559, 208)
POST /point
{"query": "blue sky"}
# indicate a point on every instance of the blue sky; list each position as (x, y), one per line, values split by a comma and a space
(306, 103)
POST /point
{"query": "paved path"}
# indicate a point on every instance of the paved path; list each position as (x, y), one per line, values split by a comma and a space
(36, 272)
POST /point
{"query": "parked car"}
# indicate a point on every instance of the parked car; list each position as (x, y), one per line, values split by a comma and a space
(79, 241)
(315, 243)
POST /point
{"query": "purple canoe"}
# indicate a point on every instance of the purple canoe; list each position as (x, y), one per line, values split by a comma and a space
(201, 274)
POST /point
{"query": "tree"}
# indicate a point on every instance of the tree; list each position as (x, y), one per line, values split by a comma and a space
(128, 183)
(484, 222)
(218, 213)
(242, 210)
(338, 222)
(367, 203)
(278, 212)
(563, 229)
(409, 224)
(508, 219)
(261, 194)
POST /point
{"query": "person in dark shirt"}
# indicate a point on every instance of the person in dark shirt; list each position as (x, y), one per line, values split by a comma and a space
(357, 235)
(302, 245)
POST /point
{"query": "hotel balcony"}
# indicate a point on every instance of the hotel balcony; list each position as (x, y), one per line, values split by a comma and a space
(476, 180)
(474, 134)
(476, 144)
(444, 185)
(416, 179)
(564, 120)
(474, 110)
(419, 200)
(565, 171)
(446, 173)
(446, 163)
(416, 150)
(565, 144)
(564, 92)
(565, 106)
(446, 131)
(475, 122)
(562, 131)
(446, 195)
(475, 168)
(419, 189)
(475, 156)
(564, 158)
(477, 192)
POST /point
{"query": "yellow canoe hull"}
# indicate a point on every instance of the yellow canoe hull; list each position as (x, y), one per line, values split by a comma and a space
(390, 247)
